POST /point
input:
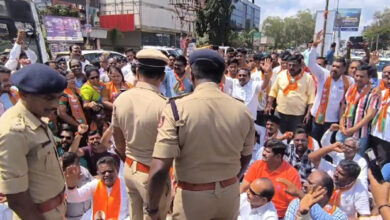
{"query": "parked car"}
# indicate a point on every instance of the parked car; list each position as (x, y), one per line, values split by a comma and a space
(90, 55)
(166, 50)
(382, 63)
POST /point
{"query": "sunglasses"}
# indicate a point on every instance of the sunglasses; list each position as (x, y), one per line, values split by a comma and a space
(253, 193)
(94, 77)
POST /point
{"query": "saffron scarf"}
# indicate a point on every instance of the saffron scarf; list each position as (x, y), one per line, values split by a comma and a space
(14, 95)
(179, 87)
(380, 118)
(334, 201)
(353, 99)
(292, 82)
(107, 205)
(321, 113)
(114, 91)
(382, 85)
(75, 106)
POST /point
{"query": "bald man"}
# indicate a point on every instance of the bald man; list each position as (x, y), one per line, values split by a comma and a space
(256, 202)
(313, 204)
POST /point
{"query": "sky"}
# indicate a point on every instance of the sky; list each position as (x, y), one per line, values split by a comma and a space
(283, 8)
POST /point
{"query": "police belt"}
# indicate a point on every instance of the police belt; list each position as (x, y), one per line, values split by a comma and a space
(139, 167)
(52, 203)
(205, 186)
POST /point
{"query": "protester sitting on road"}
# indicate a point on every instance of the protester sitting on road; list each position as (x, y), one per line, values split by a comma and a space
(76, 68)
(314, 200)
(256, 202)
(273, 166)
(115, 87)
(350, 195)
(70, 109)
(108, 193)
(74, 211)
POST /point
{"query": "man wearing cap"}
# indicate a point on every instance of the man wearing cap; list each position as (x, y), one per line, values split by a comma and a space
(210, 135)
(135, 119)
(31, 175)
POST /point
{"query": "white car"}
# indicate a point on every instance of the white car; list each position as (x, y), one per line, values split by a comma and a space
(91, 55)
(382, 63)
(166, 50)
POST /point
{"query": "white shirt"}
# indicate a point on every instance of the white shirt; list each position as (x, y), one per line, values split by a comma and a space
(262, 97)
(336, 94)
(86, 192)
(2, 110)
(385, 135)
(265, 212)
(103, 76)
(276, 70)
(355, 200)
(14, 54)
(248, 93)
(126, 69)
(337, 157)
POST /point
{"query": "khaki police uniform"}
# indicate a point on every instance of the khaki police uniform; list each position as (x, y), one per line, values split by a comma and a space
(212, 133)
(29, 160)
(137, 112)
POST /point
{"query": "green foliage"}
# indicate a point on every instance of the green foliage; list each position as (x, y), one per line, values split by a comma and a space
(242, 38)
(291, 31)
(214, 21)
(60, 10)
(379, 27)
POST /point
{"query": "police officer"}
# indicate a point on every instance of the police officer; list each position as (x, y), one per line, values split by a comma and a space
(31, 176)
(135, 119)
(210, 136)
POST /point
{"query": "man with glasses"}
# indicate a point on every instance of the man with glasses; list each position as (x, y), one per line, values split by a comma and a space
(338, 152)
(314, 199)
(256, 202)
(350, 195)
(297, 153)
(176, 83)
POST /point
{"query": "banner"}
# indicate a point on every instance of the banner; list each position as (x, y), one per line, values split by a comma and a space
(63, 29)
(347, 19)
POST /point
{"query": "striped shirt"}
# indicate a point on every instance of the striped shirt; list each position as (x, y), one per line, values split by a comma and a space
(368, 101)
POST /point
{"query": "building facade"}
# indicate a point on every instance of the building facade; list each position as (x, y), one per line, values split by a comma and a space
(245, 16)
(143, 22)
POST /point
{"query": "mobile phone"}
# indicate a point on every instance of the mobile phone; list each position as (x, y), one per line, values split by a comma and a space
(373, 165)
(356, 42)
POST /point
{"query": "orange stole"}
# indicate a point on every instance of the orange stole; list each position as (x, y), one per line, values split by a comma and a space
(75, 107)
(321, 112)
(108, 204)
(353, 99)
(334, 201)
(113, 91)
(382, 85)
(14, 95)
(292, 82)
(381, 116)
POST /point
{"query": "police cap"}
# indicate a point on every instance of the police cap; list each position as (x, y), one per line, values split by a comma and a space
(39, 79)
(151, 58)
(208, 55)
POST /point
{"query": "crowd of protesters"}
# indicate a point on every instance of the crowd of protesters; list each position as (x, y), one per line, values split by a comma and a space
(315, 118)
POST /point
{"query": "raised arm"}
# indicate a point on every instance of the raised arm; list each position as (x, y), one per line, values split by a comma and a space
(315, 156)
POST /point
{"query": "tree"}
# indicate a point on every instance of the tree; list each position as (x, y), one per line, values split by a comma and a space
(379, 29)
(115, 35)
(291, 31)
(214, 21)
(242, 38)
